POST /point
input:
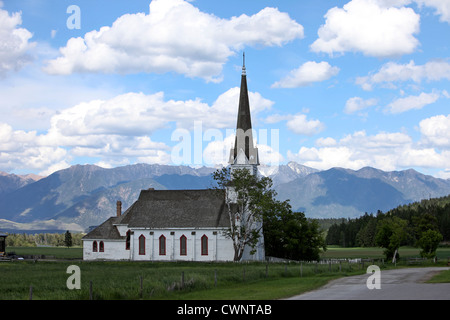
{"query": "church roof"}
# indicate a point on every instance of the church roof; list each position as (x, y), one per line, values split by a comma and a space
(158, 209)
(178, 209)
(106, 230)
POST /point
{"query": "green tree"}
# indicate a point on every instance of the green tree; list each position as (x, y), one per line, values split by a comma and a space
(424, 222)
(390, 235)
(249, 199)
(68, 239)
(291, 235)
(428, 242)
(366, 235)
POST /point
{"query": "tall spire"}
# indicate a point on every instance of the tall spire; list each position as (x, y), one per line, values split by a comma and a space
(244, 135)
(244, 120)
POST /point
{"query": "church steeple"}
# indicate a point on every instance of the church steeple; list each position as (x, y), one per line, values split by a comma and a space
(244, 153)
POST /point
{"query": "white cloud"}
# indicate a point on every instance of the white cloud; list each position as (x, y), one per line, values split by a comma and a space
(14, 42)
(386, 151)
(392, 72)
(21, 150)
(174, 36)
(297, 123)
(136, 114)
(116, 130)
(370, 27)
(356, 104)
(326, 142)
(436, 130)
(306, 74)
(300, 125)
(412, 102)
(442, 8)
(325, 158)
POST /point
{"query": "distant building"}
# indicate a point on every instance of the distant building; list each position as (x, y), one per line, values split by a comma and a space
(168, 225)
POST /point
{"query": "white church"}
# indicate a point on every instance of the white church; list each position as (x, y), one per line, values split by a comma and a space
(177, 225)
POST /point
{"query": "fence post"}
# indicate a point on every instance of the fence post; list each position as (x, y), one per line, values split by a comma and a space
(301, 269)
(243, 274)
(141, 287)
(30, 296)
(90, 290)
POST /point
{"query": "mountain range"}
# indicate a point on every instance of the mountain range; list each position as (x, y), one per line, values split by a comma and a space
(85, 195)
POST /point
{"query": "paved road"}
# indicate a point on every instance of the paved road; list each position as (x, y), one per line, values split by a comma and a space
(398, 284)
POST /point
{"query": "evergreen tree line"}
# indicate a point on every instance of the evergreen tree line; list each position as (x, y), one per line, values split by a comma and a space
(419, 222)
(44, 239)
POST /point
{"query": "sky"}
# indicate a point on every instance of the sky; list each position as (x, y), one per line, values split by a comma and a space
(331, 83)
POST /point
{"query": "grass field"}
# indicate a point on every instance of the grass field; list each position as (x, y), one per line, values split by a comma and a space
(442, 277)
(333, 252)
(162, 280)
(56, 252)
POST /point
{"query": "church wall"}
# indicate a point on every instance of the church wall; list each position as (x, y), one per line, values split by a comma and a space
(219, 248)
(113, 250)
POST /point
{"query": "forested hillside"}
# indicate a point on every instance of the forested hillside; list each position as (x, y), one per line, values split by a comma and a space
(418, 216)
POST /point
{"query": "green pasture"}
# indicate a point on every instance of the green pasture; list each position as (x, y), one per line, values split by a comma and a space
(164, 280)
(49, 252)
(441, 277)
(336, 252)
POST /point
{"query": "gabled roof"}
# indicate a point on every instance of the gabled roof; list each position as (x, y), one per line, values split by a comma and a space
(158, 209)
(106, 230)
(178, 209)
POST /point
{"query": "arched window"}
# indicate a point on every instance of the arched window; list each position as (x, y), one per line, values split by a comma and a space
(102, 247)
(162, 245)
(127, 241)
(204, 245)
(94, 246)
(141, 244)
(183, 245)
(247, 145)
